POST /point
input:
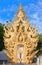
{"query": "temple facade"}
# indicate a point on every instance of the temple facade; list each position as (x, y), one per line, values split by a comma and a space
(20, 39)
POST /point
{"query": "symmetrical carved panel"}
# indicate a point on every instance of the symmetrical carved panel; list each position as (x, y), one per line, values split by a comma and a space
(20, 32)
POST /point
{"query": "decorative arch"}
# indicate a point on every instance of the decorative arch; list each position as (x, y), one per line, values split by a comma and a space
(20, 32)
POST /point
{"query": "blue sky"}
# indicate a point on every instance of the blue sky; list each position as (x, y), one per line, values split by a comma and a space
(33, 9)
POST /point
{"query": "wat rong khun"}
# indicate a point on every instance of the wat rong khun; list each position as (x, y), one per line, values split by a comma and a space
(20, 39)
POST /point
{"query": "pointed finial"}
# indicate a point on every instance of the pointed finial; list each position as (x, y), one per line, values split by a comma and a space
(20, 12)
(20, 8)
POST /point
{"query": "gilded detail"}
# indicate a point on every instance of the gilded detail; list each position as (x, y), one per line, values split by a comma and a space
(20, 39)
